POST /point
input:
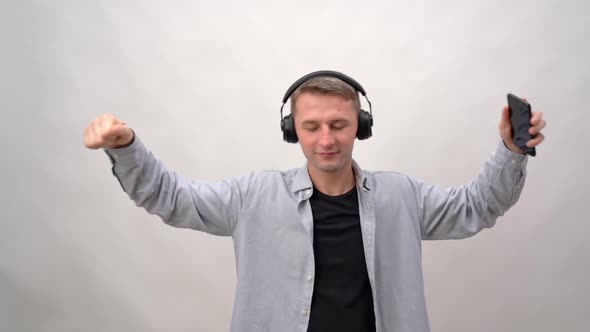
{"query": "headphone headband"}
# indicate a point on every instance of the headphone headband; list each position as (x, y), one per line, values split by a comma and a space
(323, 73)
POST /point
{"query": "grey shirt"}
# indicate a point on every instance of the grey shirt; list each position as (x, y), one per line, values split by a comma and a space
(269, 217)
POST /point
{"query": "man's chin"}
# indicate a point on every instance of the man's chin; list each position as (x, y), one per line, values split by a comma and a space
(329, 166)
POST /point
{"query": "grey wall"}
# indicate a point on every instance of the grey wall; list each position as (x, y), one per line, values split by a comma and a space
(201, 83)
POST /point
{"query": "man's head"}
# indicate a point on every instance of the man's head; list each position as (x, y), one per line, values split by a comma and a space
(325, 112)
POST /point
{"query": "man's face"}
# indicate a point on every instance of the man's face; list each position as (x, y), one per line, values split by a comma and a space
(326, 127)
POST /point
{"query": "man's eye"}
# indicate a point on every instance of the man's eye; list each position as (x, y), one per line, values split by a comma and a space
(310, 128)
(338, 127)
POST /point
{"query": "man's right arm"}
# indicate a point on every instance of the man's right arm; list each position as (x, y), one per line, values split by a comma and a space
(210, 207)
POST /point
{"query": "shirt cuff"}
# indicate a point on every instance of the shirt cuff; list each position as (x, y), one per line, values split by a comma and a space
(506, 157)
(126, 157)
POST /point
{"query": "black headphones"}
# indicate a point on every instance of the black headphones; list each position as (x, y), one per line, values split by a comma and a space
(365, 118)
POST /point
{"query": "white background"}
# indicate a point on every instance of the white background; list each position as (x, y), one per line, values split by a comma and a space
(201, 83)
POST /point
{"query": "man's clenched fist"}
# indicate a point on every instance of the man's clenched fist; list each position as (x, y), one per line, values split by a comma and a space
(106, 131)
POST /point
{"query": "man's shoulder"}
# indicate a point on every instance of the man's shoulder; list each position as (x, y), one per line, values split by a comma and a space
(378, 175)
(274, 173)
(387, 180)
(384, 174)
(264, 178)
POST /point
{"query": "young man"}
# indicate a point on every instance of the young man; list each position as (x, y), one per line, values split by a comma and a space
(329, 246)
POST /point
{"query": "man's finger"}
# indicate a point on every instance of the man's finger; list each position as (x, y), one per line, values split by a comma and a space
(505, 117)
(118, 130)
(118, 121)
(535, 141)
(86, 137)
(106, 122)
(93, 142)
(537, 128)
(536, 118)
(98, 135)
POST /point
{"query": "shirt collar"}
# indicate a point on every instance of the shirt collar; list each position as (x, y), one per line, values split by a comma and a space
(302, 180)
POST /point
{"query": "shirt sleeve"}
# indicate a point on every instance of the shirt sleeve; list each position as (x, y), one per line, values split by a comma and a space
(214, 208)
(460, 212)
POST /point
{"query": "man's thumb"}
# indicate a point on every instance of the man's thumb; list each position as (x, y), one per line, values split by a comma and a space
(505, 119)
(119, 130)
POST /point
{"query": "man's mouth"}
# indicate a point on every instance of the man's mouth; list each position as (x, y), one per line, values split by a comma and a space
(327, 154)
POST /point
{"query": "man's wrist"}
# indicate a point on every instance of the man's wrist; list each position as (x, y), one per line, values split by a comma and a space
(128, 143)
(512, 148)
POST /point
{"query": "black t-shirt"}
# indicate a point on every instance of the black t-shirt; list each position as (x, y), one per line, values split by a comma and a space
(342, 299)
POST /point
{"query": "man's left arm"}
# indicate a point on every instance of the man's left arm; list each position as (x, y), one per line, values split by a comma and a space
(459, 212)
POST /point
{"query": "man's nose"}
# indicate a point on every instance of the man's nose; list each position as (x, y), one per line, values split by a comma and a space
(326, 137)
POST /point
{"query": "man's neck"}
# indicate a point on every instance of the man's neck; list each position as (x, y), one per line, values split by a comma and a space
(333, 183)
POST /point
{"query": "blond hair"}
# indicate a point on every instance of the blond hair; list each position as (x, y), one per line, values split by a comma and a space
(327, 86)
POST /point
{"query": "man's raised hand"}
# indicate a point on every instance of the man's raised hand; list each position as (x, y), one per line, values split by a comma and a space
(537, 125)
(106, 131)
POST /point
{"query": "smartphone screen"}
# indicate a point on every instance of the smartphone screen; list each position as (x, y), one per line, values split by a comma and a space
(520, 118)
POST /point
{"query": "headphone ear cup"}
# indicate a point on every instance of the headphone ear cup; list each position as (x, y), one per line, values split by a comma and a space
(364, 130)
(288, 128)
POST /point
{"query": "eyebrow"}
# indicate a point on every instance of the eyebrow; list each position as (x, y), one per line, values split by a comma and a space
(331, 122)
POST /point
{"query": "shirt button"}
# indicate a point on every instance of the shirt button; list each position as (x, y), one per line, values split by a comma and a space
(304, 312)
(513, 162)
(308, 192)
(309, 277)
(116, 156)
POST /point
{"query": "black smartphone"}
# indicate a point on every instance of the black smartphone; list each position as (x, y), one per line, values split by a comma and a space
(520, 118)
